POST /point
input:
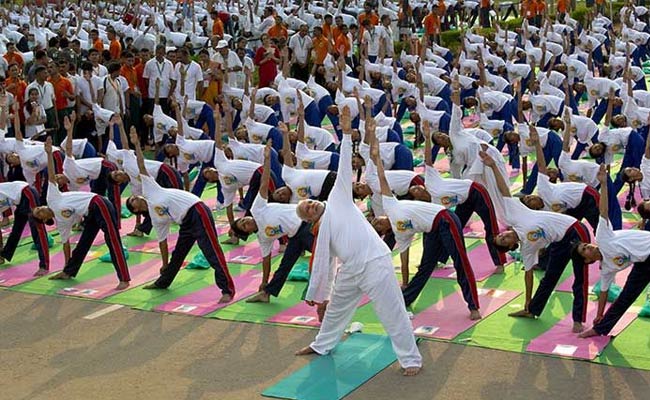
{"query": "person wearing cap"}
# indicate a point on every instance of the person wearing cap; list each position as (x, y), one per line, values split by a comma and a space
(273, 221)
(70, 208)
(167, 206)
(616, 250)
(228, 62)
(342, 231)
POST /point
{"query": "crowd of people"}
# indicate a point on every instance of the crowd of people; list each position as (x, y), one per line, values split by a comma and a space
(295, 112)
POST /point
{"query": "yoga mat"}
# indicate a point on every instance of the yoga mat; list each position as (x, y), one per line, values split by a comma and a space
(480, 260)
(450, 316)
(105, 286)
(15, 275)
(128, 225)
(303, 314)
(594, 276)
(249, 254)
(205, 300)
(153, 247)
(560, 341)
(334, 376)
(26, 233)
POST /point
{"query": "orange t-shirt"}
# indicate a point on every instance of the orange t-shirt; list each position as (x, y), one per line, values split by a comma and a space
(373, 18)
(217, 28)
(18, 89)
(98, 45)
(142, 85)
(320, 46)
(15, 58)
(327, 29)
(130, 74)
(540, 7)
(442, 6)
(431, 24)
(561, 6)
(61, 85)
(278, 31)
(342, 45)
(115, 49)
(336, 31)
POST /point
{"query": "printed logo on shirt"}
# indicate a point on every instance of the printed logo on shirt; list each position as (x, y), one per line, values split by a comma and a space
(256, 138)
(31, 164)
(540, 109)
(67, 212)
(529, 142)
(535, 235)
(574, 129)
(574, 178)
(303, 192)
(272, 231)
(594, 92)
(557, 207)
(495, 132)
(82, 180)
(616, 147)
(621, 261)
(310, 141)
(228, 180)
(160, 126)
(449, 201)
(307, 164)
(189, 157)
(404, 225)
(5, 202)
(290, 100)
(161, 211)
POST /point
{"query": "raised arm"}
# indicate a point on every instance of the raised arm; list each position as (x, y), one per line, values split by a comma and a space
(287, 155)
(69, 127)
(381, 175)
(138, 151)
(566, 137)
(343, 184)
(541, 161)
(50, 161)
(300, 128)
(123, 138)
(610, 107)
(266, 172)
(428, 157)
(251, 111)
(603, 205)
(501, 183)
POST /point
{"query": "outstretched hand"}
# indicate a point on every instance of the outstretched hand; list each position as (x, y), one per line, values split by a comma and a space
(48, 145)
(534, 136)
(267, 149)
(133, 135)
(602, 173)
(346, 121)
(487, 160)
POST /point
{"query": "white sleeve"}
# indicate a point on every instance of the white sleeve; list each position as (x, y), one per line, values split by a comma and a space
(162, 228)
(606, 279)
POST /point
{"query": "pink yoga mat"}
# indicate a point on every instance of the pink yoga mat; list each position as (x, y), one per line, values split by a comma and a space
(128, 225)
(471, 121)
(450, 317)
(26, 231)
(622, 196)
(105, 286)
(152, 245)
(594, 276)
(559, 340)
(303, 314)
(249, 254)
(15, 275)
(480, 260)
(205, 300)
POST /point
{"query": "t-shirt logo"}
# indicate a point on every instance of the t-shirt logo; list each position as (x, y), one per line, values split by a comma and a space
(557, 207)
(535, 235)
(161, 211)
(290, 100)
(616, 147)
(307, 164)
(82, 180)
(303, 191)
(31, 164)
(621, 261)
(529, 142)
(575, 178)
(310, 140)
(189, 157)
(67, 212)
(5, 202)
(574, 129)
(495, 132)
(404, 225)
(256, 138)
(271, 231)
(229, 180)
(540, 108)
(160, 126)
(593, 92)
(449, 201)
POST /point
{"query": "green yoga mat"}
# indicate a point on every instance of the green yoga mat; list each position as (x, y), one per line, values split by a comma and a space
(351, 364)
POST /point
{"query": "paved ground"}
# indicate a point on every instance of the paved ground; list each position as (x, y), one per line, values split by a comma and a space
(49, 351)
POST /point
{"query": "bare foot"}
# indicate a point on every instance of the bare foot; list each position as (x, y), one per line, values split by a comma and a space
(305, 351)
(588, 333)
(151, 286)
(135, 233)
(411, 371)
(5, 222)
(259, 297)
(60, 276)
(521, 314)
(41, 272)
(577, 327)
(122, 285)
(499, 269)
(474, 315)
(226, 298)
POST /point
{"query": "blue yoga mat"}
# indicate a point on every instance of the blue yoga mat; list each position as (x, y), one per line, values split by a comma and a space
(334, 376)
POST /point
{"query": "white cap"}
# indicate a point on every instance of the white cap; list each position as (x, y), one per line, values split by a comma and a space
(222, 44)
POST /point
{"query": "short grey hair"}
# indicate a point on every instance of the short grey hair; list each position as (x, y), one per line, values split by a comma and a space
(300, 213)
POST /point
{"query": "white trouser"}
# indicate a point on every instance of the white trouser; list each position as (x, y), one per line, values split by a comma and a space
(377, 280)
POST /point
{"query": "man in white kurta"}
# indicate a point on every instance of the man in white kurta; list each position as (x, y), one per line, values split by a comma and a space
(366, 267)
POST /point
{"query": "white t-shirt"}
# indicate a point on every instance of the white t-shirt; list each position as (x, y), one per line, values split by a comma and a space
(304, 183)
(45, 93)
(247, 151)
(164, 70)
(231, 61)
(273, 221)
(10, 194)
(233, 174)
(257, 131)
(386, 153)
(579, 170)
(193, 151)
(33, 159)
(317, 138)
(165, 205)
(446, 192)
(81, 172)
(69, 208)
(130, 166)
(545, 104)
(620, 249)
(535, 229)
(644, 185)
(408, 218)
(526, 146)
(32, 130)
(114, 90)
(312, 159)
(193, 77)
(372, 37)
(300, 45)
(559, 197)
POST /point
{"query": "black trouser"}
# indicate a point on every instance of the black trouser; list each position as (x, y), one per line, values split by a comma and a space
(198, 226)
(103, 186)
(327, 186)
(559, 254)
(588, 208)
(300, 72)
(301, 241)
(101, 216)
(22, 216)
(637, 281)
